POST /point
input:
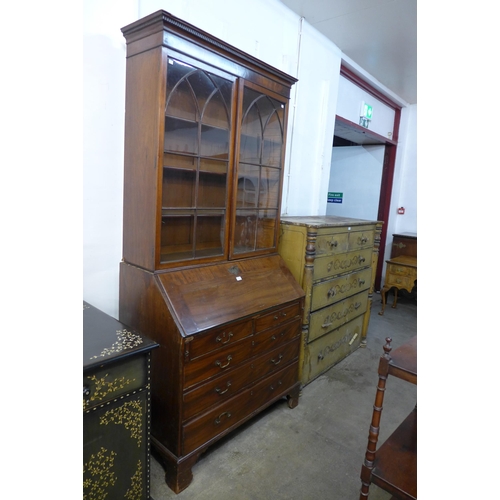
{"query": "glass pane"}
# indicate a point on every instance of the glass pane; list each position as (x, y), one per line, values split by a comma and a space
(212, 190)
(181, 136)
(247, 195)
(269, 188)
(181, 99)
(214, 142)
(245, 231)
(209, 234)
(266, 225)
(177, 236)
(273, 141)
(251, 135)
(178, 188)
(216, 111)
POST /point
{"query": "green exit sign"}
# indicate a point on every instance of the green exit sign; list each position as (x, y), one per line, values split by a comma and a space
(366, 111)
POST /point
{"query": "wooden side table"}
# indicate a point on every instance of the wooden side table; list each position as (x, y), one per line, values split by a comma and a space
(393, 467)
(401, 274)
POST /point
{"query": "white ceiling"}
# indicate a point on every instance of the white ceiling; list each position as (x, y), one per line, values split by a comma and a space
(378, 35)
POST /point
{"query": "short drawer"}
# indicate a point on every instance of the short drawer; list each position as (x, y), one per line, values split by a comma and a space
(221, 388)
(329, 244)
(361, 239)
(399, 270)
(333, 347)
(400, 281)
(221, 418)
(325, 320)
(114, 380)
(329, 292)
(274, 337)
(278, 316)
(216, 362)
(332, 265)
(217, 338)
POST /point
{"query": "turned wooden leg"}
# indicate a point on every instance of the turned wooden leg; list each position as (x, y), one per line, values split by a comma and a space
(366, 469)
(395, 301)
(383, 292)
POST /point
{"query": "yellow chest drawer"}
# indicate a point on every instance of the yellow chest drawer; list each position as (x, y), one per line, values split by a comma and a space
(331, 265)
(331, 291)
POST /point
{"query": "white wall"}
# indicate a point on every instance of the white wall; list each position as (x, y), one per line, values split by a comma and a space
(356, 172)
(264, 28)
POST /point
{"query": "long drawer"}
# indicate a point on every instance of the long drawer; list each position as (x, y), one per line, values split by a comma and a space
(327, 319)
(331, 291)
(332, 265)
(331, 348)
(222, 388)
(221, 418)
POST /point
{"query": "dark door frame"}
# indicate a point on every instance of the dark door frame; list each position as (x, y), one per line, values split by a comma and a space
(389, 159)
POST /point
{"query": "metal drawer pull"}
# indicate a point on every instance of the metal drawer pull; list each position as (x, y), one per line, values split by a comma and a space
(280, 357)
(363, 240)
(361, 259)
(331, 292)
(361, 282)
(219, 338)
(333, 243)
(326, 325)
(277, 317)
(357, 305)
(329, 267)
(218, 419)
(221, 366)
(219, 391)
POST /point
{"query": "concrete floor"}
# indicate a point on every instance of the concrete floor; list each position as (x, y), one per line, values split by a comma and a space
(315, 451)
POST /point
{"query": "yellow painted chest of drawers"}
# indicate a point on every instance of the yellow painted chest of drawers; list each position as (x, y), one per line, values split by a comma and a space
(334, 260)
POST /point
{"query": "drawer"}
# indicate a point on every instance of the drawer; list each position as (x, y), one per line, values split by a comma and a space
(329, 244)
(221, 418)
(362, 239)
(400, 281)
(331, 348)
(221, 388)
(325, 320)
(399, 270)
(274, 337)
(331, 291)
(114, 380)
(217, 362)
(332, 265)
(278, 316)
(218, 338)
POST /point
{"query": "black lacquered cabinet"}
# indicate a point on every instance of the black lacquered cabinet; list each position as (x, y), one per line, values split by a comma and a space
(116, 408)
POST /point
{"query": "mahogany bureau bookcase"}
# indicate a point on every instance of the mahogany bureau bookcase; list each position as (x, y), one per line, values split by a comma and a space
(116, 408)
(334, 260)
(205, 136)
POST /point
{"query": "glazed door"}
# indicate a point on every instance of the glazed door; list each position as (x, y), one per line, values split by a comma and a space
(196, 162)
(259, 169)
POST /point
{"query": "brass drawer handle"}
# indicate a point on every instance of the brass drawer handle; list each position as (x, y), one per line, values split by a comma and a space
(220, 392)
(357, 305)
(362, 240)
(277, 317)
(218, 419)
(331, 293)
(361, 259)
(221, 366)
(219, 338)
(280, 357)
(361, 282)
(333, 243)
